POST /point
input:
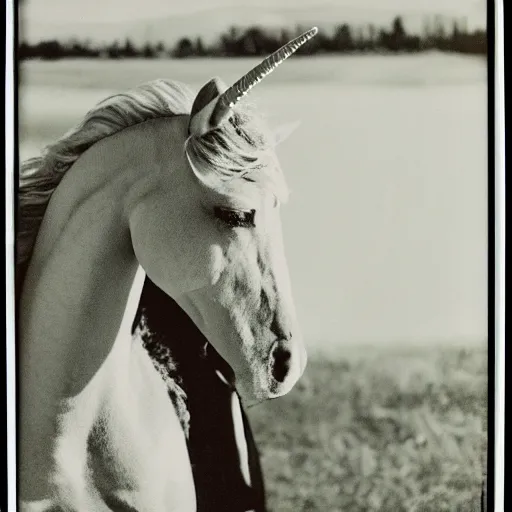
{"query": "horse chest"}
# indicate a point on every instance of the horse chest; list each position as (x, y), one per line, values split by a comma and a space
(136, 453)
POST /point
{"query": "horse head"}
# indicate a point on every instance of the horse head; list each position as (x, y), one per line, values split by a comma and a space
(227, 268)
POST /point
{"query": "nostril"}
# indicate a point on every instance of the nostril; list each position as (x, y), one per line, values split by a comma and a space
(281, 365)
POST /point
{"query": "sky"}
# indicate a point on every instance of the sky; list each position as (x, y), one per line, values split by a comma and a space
(57, 11)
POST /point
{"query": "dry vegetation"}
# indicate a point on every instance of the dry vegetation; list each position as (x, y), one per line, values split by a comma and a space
(384, 432)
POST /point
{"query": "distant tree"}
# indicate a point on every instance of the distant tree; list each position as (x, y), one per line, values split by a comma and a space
(113, 50)
(383, 39)
(148, 51)
(184, 48)
(250, 43)
(372, 36)
(128, 50)
(439, 27)
(25, 51)
(255, 41)
(88, 49)
(50, 50)
(455, 38)
(200, 49)
(234, 33)
(342, 40)
(398, 27)
(229, 43)
(413, 43)
(455, 30)
(70, 48)
(480, 39)
(398, 36)
(441, 40)
(360, 41)
(226, 46)
(159, 48)
(259, 41)
(427, 40)
(475, 43)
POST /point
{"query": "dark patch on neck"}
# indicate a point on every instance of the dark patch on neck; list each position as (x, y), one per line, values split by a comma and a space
(178, 351)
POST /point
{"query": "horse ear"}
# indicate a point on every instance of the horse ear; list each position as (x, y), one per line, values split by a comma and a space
(201, 116)
(281, 133)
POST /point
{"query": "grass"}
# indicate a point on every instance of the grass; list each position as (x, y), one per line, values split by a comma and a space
(379, 432)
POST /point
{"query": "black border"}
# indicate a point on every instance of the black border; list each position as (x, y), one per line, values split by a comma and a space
(16, 77)
(3, 356)
(488, 484)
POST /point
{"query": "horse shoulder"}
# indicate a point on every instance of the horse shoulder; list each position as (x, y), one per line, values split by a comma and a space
(138, 448)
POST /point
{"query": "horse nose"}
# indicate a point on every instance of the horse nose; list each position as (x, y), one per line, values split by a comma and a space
(281, 363)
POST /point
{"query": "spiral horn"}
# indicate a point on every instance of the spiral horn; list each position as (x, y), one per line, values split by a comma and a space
(212, 114)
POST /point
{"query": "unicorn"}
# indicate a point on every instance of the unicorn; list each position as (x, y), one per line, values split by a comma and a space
(185, 189)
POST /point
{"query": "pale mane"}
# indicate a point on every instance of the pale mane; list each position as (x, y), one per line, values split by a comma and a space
(40, 176)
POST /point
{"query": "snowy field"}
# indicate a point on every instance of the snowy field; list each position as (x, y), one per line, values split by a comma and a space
(386, 229)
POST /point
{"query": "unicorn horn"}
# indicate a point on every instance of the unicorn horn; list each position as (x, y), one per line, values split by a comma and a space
(206, 117)
(248, 81)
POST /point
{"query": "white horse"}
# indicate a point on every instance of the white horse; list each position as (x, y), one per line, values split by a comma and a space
(188, 190)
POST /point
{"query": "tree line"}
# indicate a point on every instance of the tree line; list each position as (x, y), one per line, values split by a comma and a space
(257, 41)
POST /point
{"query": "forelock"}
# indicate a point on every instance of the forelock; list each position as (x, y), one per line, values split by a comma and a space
(242, 147)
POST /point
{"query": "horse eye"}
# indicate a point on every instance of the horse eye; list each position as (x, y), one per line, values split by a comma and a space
(235, 218)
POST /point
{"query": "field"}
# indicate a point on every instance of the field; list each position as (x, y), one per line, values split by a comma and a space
(379, 431)
(386, 242)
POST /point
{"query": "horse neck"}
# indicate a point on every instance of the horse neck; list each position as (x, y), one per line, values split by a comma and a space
(81, 273)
